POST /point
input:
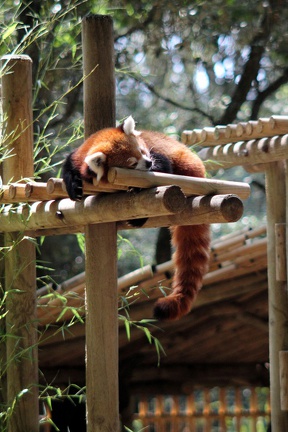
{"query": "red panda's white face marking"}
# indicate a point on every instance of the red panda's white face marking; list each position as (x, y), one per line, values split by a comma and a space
(144, 163)
(120, 148)
(96, 162)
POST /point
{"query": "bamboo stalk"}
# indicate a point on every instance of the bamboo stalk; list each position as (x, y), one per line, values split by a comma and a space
(189, 185)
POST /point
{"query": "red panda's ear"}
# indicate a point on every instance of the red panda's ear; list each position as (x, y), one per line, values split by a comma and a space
(128, 127)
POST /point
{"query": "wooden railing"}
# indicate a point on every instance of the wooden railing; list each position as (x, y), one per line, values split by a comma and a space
(205, 410)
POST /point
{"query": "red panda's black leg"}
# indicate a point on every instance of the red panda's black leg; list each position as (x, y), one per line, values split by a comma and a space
(72, 179)
(160, 163)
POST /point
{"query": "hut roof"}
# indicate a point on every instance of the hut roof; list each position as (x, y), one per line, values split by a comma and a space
(223, 341)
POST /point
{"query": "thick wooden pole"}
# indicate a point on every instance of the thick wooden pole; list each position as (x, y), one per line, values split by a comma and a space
(101, 240)
(20, 273)
(277, 290)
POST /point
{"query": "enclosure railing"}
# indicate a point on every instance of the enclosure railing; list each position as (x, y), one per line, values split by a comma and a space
(216, 409)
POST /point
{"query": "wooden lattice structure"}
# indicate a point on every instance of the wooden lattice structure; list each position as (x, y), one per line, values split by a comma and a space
(205, 409)
(261, 146)
(164, 204)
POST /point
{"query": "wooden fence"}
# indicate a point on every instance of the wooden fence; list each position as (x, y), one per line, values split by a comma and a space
(217, 409)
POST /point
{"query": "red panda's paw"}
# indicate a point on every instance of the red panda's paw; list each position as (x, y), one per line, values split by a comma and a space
(96, 163)
(72, 179)
(171, 308)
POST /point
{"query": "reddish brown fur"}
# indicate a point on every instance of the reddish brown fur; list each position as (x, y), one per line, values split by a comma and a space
(192, 243)
(113, 142)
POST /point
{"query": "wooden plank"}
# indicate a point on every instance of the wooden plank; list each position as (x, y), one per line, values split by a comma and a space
(20, 271)
(277, 291)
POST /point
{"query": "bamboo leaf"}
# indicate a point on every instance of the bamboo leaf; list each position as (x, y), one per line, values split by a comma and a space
(148, 334)
(128, 329)
(9, 31)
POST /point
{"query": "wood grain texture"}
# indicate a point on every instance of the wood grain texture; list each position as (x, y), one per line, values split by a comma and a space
(20, 270)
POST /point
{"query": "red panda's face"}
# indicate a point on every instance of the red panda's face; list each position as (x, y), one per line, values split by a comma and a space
(129, 152)
(120, 147)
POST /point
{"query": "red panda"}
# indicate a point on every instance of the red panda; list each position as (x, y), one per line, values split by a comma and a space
(146, 150)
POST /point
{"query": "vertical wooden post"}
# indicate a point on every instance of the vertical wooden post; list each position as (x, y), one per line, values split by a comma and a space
(101, 240)
(283, 362)
(277, 290)
(20, 273)
(280, 239)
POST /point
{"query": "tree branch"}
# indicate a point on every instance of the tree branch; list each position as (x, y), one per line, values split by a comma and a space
(153, 90)
(262, 96)
(250, 70)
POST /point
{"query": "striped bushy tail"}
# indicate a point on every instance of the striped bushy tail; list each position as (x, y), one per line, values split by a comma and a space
(191, 260)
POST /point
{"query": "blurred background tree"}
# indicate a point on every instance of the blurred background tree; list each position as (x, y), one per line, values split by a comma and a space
(179, 65)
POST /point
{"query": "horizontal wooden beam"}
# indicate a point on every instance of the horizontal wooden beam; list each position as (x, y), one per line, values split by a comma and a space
(256, 151)
(244, 131)
(175, 377)
(93, 209)
(120, 179)
(198, 210)
(189, 185)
